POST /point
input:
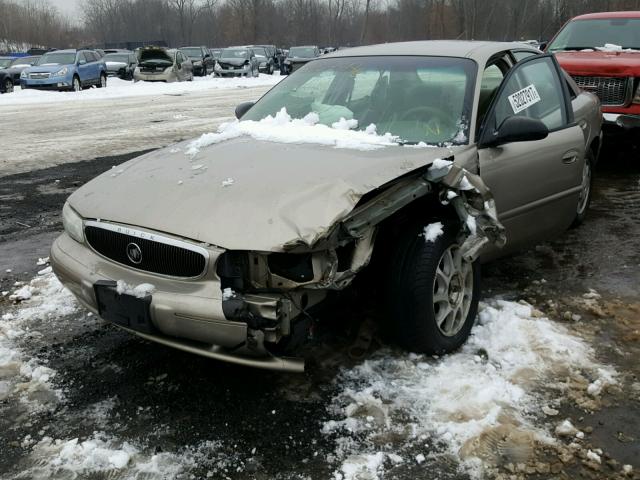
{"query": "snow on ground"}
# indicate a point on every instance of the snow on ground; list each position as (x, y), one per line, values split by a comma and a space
(117, 88)
(284, 129)
(41, 300)
(483, 406)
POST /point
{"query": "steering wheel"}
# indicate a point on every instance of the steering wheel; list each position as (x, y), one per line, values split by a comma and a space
(440, 122)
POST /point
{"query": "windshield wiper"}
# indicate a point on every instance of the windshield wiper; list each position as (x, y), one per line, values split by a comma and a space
(571, 48)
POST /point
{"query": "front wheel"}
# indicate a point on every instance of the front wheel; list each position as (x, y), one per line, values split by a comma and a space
(76, 85)
(8, 86)
(432, 292)
(584, 200)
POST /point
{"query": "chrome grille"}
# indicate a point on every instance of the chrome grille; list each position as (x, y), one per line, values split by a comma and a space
(611, 90)
(158, 254)
(39, 76)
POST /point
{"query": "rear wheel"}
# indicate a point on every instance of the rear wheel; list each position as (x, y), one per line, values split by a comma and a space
(432, 292)
(103, 81)
(584, 200)
(8, 86)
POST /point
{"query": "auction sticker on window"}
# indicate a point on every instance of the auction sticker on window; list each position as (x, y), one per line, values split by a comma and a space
(523, 99)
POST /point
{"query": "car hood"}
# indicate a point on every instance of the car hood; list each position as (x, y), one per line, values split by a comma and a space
(244, 194)
(232, 61)
(49, 68)
(600, 63)
(300, 59)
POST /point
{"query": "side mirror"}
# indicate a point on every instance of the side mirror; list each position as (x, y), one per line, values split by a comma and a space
(82, 62)
(243, 108)
(517, 129)
(543, 46)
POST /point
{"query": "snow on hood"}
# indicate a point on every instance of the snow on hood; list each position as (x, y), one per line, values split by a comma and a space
(478, 405)
(604, 62)
(284, 129)
(248, 194)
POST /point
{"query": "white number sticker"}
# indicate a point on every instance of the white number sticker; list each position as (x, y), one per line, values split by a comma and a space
(523, 99)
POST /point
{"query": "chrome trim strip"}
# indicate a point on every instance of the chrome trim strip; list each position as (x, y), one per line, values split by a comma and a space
(151, 236)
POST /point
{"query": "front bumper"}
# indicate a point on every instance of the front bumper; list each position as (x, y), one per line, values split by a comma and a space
(188, 314)
(621, 120)
(155, 77)
(232, 72)
(52, 83)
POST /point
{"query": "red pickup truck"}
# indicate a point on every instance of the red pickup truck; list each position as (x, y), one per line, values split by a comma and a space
(601, 51)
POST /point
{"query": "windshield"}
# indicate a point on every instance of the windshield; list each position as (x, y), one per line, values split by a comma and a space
(57, 58)
(192, 52)
(419, 99)
(259, 51)
(304, 52)
(5, 62)
(587, 34)
(24, 61)
(234, 53)
(116, 57)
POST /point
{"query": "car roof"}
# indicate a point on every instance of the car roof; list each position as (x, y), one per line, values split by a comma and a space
(476, 50)
(591, 16)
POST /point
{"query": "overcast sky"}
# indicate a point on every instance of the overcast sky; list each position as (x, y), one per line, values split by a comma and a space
(71, 8)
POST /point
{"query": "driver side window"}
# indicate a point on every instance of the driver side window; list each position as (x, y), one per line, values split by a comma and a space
(533, 91)
(491, 79)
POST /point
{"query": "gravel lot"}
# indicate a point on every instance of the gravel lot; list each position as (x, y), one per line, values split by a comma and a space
(548, 387)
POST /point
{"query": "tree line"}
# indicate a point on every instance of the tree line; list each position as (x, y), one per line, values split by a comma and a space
(291, 22)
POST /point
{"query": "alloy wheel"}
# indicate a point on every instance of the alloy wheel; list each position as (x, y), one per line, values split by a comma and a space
(8, 86)
(76, 85)
(452, 291)
(585, 188)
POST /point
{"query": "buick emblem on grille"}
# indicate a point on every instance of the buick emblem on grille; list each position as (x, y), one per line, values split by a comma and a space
(134, 253)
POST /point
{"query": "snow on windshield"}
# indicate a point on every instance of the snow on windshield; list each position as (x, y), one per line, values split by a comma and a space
(285, 129)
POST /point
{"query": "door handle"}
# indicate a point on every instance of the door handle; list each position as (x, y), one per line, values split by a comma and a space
(570, 157)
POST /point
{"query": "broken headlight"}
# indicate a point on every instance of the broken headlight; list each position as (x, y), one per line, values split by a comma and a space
(72, 223)
(636, 98)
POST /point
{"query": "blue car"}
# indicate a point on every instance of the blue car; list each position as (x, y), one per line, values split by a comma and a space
(66, 70)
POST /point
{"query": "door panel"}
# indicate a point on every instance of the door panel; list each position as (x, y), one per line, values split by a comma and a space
(536, 184)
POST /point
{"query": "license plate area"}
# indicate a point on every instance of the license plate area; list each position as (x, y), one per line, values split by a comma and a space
(122, 309)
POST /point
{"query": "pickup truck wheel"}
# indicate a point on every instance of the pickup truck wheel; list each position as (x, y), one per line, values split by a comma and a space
(8, 86)
(432, 292)
(76, 85)
(103, 81)
(584, 200)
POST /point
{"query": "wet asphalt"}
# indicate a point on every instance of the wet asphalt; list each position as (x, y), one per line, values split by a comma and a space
(168, 399)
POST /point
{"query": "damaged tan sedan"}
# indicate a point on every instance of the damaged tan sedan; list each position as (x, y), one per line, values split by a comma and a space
(226, 252)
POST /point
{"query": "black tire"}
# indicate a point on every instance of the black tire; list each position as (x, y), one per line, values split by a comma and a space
(103, 81)
(411, 312)
(76, 84)
(8, 86)
(582, 208)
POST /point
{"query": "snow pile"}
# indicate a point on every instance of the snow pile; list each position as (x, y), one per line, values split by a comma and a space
(102, 454)
(139, 291)
(284, 129)
(117, 88)
(611, 47)
(42, 300)
(478, 405)
(433, 231)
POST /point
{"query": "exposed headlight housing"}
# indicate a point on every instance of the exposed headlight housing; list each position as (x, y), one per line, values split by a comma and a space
(72, 223)
(636, 98)
(62, 72)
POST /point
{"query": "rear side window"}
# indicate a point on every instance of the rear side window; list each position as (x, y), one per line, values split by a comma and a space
(534, 91)
(522, 54)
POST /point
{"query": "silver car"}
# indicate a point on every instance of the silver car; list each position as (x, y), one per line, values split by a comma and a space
(237, 62)
(495, 149)
(159, 64)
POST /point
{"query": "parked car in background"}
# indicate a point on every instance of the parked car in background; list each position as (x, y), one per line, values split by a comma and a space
(66, 70)
(272, 52)
(231, 273)
(266, 63)
(160, 64)
(601, 51)
(12, 68)
(299, 56)
(121, 64)
(201, 59)
(237, 62)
